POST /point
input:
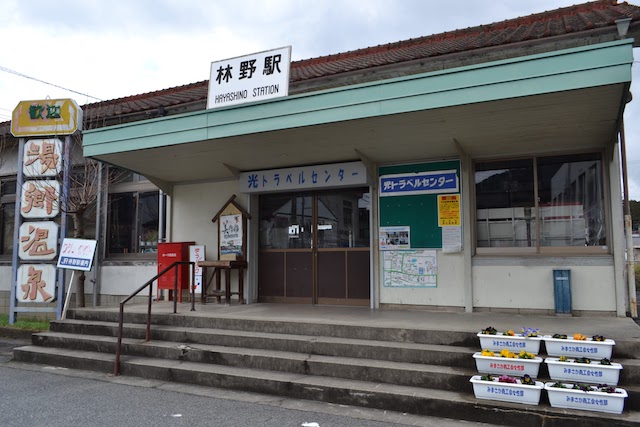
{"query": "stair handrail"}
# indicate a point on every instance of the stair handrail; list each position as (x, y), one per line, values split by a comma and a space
(116, 368)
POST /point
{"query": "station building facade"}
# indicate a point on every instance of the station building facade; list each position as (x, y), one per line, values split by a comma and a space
(451, 172)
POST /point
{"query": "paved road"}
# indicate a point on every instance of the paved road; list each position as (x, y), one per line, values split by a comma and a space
(35, 395)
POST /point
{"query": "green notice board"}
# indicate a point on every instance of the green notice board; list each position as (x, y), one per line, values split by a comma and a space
(418, 211)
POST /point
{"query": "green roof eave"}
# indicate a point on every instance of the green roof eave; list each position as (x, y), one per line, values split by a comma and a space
(563, 70)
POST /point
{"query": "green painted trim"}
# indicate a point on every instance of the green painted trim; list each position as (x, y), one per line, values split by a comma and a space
(564, 70)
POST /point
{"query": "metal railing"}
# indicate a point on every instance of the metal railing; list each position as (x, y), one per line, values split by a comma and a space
(116, 368)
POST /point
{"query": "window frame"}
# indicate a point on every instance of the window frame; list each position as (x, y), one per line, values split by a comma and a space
(538, 249)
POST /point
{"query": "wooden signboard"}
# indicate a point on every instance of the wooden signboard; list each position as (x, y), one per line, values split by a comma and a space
(232, 231)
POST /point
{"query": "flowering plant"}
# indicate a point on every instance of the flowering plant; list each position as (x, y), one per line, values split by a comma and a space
(508, 354)
(524, 355)
(489, 330)
(508, 333)
(582, 360)
(558, 385)
(527, 380)
(563, 359)
(604, 388)
(529, 332)
(605, 362)
(487, 377)
(507, 379)
(559, 336)
(579, 337)
(487, 352)
(598, 338)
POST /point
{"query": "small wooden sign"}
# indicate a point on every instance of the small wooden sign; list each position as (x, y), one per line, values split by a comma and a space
(232, 231)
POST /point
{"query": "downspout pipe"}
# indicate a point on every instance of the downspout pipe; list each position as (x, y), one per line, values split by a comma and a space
(631, 277)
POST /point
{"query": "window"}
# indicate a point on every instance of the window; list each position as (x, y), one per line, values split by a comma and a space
(133, 222)
(541, 203)
(133, 215)
(7, 215)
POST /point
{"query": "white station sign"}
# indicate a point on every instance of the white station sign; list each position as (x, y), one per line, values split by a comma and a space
(256, 77)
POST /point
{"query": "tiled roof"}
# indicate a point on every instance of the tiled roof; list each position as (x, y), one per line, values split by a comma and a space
(559, 22)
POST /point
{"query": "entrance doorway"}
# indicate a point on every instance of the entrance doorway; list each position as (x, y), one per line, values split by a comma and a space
(314, 247)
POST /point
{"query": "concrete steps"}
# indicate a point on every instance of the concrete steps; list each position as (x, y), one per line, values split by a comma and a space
(395, 369)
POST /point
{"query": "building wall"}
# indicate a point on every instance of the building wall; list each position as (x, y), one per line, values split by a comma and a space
(449, 293)
(524, 285)
(193, 207)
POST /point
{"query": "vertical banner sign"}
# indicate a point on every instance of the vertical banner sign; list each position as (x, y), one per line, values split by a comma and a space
(196, 254)
(256, 77)
(39, 199)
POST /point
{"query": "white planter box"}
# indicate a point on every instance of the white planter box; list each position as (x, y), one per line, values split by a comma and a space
(514, 343)
(593, 372)
(577, 348)
(573, 398)
(507, 366)
(507, 392)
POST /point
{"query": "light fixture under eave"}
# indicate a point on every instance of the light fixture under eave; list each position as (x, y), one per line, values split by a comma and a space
(623, 26)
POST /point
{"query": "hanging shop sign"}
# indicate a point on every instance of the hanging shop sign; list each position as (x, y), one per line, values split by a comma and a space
(432, 182)
(349, 174)
(40, 199)
(46, 117)
(256, 77)
(42, 157)
(36, 283)
(77, 254)
(38, 241)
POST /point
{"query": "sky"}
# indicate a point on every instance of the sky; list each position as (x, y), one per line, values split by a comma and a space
(92, 50)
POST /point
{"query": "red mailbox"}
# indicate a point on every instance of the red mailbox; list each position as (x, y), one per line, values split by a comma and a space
(168, 253)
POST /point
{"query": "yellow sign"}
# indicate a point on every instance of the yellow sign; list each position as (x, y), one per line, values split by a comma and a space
(46, 117)
(449, 210)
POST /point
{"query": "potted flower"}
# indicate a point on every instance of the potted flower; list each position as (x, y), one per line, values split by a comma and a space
(583, 369)
(507, 389)
(528, 340)
(600, 398)
(507, 362)
(579, 345)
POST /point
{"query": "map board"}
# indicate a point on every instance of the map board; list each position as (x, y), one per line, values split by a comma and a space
(410, 269)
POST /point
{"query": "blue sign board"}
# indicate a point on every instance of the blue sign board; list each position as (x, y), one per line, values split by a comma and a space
(406, 184)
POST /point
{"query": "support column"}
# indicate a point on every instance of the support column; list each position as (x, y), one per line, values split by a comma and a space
(466, 184)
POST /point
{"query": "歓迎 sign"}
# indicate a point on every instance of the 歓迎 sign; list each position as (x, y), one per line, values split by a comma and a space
(256, 77)
(46, 117)
(406, 184)
(77, 254)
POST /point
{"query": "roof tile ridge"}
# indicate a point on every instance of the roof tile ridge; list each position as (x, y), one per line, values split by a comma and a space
(147, 95)
(450, 35)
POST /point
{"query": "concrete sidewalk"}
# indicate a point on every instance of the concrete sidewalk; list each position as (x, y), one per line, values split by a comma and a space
(611, 327)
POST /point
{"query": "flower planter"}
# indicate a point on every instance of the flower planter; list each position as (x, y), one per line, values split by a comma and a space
(513, 343)
(574, 398)
(507, 366)
(579, 348)
(507, 392)
(592, 372)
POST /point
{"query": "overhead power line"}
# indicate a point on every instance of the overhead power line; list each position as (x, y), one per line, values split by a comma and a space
(8, 70)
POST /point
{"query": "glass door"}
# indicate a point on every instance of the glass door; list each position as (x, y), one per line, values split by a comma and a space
(314, 247)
